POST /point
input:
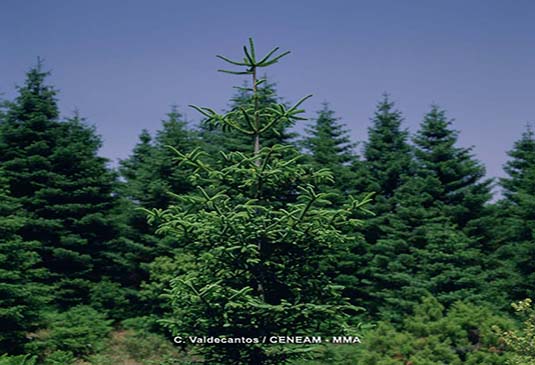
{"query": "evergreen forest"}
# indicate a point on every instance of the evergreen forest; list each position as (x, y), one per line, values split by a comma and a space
(257, 224)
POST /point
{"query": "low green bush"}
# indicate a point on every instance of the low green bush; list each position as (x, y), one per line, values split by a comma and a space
(462, 335)
(110, 298)
(142, 324)
(81, 330)
(60, 358)
(18, 360)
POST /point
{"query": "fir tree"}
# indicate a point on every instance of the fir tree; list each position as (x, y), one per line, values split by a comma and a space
(258, 259)
(387, 152)
(422, 252)
(513, 229)
(175, 133)
(330, 147)
(463, 189)
(388, 161)
(423, 248)
(150, 174)
(520, 168)
(386, 166)
(136, 171)
(65, 189)
(135, 191)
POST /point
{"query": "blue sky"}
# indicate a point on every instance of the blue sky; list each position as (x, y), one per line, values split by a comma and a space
(124, 63)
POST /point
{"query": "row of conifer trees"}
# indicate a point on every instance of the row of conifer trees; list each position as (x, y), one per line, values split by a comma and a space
(71, 232)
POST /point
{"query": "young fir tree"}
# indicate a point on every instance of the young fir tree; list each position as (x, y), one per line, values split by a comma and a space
(514, 228)
(22, 296)
(64, 188)
(257, 270)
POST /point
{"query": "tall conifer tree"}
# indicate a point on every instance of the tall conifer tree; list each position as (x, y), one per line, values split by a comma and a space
(424, 248)
(329, 146)
(387, 162)
(65, 189)
(150, 175)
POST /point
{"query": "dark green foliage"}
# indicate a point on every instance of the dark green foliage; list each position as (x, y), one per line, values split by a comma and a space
(423, 247)
(18, 360)
(514, 229)
(430, 335)
(328, 141)
(258, 259)
(422, 252)
(330, 147)
(21, 294)
(136, 191)
(150, 173)
(110, 298)
(63, 187)
(162, 270)
(387, 165)
(174, 133)
(462, 190)
(80, 330)
(520, 167)
(135, 170)
(387, 153)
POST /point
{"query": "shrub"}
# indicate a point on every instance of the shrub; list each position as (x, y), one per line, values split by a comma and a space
(60, 358)
(80, 330)
(461, 335)
(142, 324)
(110, 298)
(522, 343)
(18, 360)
